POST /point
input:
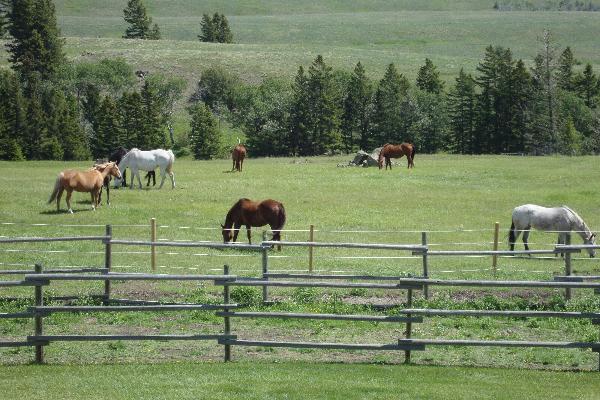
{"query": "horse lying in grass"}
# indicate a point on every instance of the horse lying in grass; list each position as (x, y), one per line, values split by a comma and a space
(83, 181)
(253, 213)
(559, 219)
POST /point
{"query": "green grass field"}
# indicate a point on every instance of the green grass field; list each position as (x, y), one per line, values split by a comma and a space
(456, 198)
(291, 381)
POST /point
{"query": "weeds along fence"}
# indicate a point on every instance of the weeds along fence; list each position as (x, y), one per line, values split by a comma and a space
(228, 338)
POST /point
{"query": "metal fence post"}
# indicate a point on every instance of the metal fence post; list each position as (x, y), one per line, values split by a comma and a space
(311, 238)
(107, 263)
(265, 267)
(568, 269)
(495, 256)
(425, 265)
(226, 320)
(38, 319)
(152, 247)
(408, 333)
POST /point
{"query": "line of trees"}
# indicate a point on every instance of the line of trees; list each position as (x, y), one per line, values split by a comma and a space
(505, 108)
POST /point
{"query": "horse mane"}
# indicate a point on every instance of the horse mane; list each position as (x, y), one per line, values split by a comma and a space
(585, 227)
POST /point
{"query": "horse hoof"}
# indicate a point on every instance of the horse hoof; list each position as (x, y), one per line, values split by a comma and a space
(70, 211)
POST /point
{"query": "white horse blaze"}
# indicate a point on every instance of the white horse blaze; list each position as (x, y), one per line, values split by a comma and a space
(138, 160)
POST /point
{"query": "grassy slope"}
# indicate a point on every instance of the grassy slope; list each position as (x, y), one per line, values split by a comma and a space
(291, 381)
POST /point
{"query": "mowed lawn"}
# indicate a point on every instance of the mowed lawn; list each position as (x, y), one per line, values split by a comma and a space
(291, 381)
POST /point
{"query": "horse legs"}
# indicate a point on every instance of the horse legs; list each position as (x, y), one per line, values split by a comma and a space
(137, 175)
(69, 193)
(236, 230)
(172, 176)
(163, 175)
(562, 239)
(526, 238)
(58, 196)
(233, 166)
(241, 164)
(249, 232)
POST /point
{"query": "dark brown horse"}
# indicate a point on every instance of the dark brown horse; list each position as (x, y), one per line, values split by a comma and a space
(389, 151)
(238, 154)
(253, 213)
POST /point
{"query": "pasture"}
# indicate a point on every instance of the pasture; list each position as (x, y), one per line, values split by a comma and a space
(456, 199)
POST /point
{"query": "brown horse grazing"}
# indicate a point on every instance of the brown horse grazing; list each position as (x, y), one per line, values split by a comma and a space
(253, 213)
(83, 181)
(238, 154)
(389, 151)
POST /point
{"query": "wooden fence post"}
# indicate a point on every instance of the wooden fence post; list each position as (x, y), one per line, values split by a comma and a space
(568, 269)
(265, 267)
(226, 320)
(38, 319)
(107, 263)
(495, 256)
(152, 247)
(408, 333)
(311, 238)
(425, 265)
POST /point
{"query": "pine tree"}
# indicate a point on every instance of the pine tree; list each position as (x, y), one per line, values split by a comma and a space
(204, 136)
(357, 109)
(12, 112)
(35, 127)
(564, 73)
(462, 113)
(521, 98)
(207, 29)
(107, 135)
(587, 86)
(3, 19)
(300, 141)
(571, 139)
(73, 138)
(391, 93)
(323, 108)
(428, 78)
(139, 21)
(224, 34)
(154, 33)
(153, 135)
(36, 46)
(132, 120)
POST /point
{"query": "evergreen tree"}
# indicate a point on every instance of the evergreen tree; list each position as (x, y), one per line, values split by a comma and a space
(154, 33)
(204, 136)
(36, 47)
(390, 96)
(169, 90)
(564, 73)
(153, 135)
(72, 135)
(357, 109)
(429, 120)
(224, 34)
(323, 108)
(139, 21)
(299, 142)
(571, 139)
(428, 78)
(462, 114)
(544, 79)
(12, 112)
(217, 86)
(208, 32)
(132, 120)
(3, 19)
(521, 97)
(35, 127)
(106, 136)
(587, 86)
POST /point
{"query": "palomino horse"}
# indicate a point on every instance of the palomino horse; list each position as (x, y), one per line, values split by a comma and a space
(389, 151)
(253, 213)
(559, 219)
(83, 181)
(238, 154)
(148, 161)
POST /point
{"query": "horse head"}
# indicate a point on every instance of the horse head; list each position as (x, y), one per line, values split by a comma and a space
(592, 241)
(227, 236)
(113, 169)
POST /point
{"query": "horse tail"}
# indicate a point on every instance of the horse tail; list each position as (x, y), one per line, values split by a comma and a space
(413, 151)
(56, 188)
(511, 234)
(171, 161)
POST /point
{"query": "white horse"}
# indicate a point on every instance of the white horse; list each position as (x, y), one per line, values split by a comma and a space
(559, 219)
(137, 160)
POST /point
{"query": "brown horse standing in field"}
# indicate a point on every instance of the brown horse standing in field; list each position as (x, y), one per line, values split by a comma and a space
(389, 151)
(83, 181)
(253, 213)
(238, 154)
